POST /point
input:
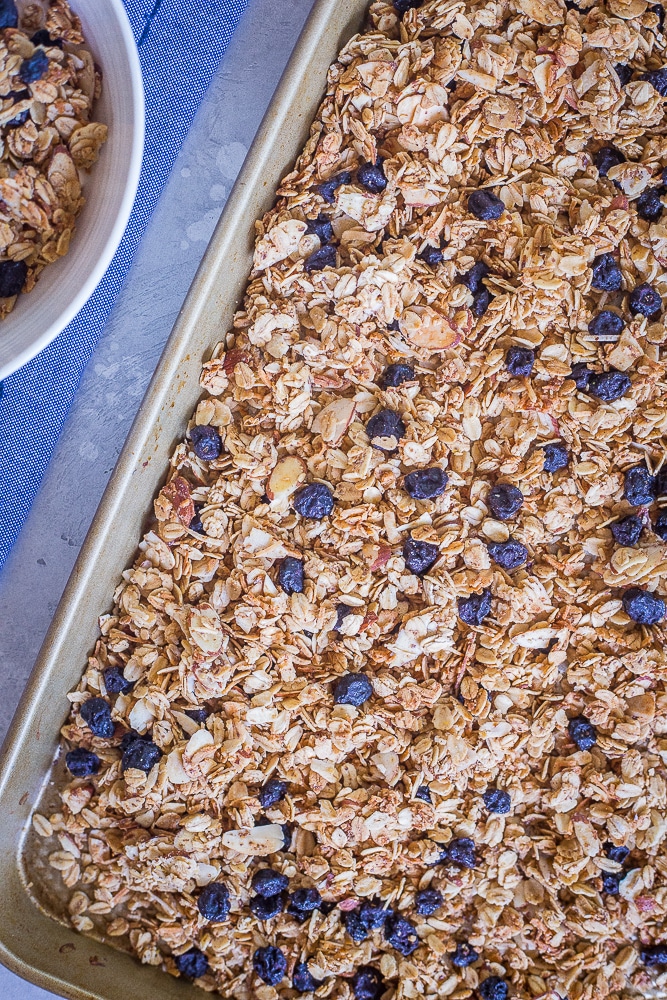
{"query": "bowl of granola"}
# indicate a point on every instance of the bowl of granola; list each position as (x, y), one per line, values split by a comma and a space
(71, 145)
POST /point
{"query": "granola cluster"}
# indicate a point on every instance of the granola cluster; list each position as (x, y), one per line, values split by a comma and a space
(48, 86)
(381, 707)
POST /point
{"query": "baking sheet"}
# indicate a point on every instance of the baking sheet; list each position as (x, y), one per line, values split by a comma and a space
(32, 943)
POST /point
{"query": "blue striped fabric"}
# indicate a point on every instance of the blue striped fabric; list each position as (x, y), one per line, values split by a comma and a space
(180, 43)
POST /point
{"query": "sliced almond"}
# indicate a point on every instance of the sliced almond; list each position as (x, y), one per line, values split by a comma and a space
(259, 841)
(334, 419)
(287, 475)
(424, 327)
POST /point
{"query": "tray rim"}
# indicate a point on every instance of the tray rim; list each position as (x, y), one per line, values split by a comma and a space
(201, 292)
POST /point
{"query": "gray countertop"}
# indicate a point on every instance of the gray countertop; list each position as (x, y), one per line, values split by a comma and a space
(129, 349)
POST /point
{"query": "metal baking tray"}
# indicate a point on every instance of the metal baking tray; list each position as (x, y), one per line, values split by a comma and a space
(35, 942)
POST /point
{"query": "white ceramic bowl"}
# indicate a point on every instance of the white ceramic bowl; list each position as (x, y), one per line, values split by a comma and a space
(64, 287)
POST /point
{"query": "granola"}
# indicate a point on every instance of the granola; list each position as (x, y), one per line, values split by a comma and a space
(48, 142)
(381, 707)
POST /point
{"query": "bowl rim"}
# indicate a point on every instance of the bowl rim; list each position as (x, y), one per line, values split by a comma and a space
(136, 154)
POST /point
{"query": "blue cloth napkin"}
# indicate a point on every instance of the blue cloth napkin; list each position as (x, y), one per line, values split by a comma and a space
(180, 44)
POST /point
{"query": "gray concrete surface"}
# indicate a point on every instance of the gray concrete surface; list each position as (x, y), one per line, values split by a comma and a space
(116, 378)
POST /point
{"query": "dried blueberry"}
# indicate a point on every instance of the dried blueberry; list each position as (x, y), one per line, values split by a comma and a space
(606, 325)
(371, 176)
(12, 277)
(272, 791)
(114, 681)
(206, 442)
(493, 988)
(426, 484)
(290, 575)
(198, 715)
(394, 325)
(355, 926)
(619, 854)
(473, 279)
(352, 689)
(342, 612)
(141, 754)
(385, 429)
(580, 375)
(480, 302)
(624, 73)
(509, 554)
(582, 733)
(96, 713)
(22, 117)
(611, 882)
(504, 501)
(42, 37)
(660, 526)
(268, 882)
(639, 486)
(461, 851)
(401, 934)
(321, 227)
(314, 501)
(464, 955)
(609, 386)
(302, 979)
(658, 79)
(607, 275)
(367, 982)
(396, 374)
(643, 607)
(328, 188)
(485, 205)
(213, 902)
(427, 901)
(373, 914)
(324, 256)
(654, 955)
(520, 360)
(474, 609)
(82, 763)
(304, 901)
(649, 204)
(270, 964)
(196, 522)
(423, 793)
(431, 255)
(606, 158)
(556, 457)
(645, 300)
(419, 556)
(9, 15)
(497, 801)
(192, 963)
(34, 67)
(661, 483)
(627, 531)
(403, 6)
(267, 907)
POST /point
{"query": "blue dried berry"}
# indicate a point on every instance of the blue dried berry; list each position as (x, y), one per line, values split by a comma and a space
(580, 375)
(82, 763)
(624, 73)
(639, 486)
(12, 277)
(268, 882)
(267, 907)
(480, 302)
(485, 205)
(643, 607)
(497, 801)
(474, 609)
(192, 963)
(493, 988)
(42, 37)
(196, 522)
(461, 852)
(304, 901)
(611, 882)
(473, 279)
(419, 556)
(213, 902)
(423, 793)
(371, 176)
(645, 300)
(141, 754)
(509, 554)
(654, 955)
(290, 575)
(606, 325)
(431, 255)
(627, 531)
(22, 117)
(324, 256)
(314, 501)
(661, 483)
(206, 442)
(367, 982)
(609, 386)
(658, 79)
(272, 791)
(520, 360)
(660, 526)
(607, 275)
(355, 926)
(385, 429)
(619, 854)
(394, 325)
(464, 955)
(504, 501)
(198, 715)
(96, 713)
(373, 914)
(114, 681)
(321, 227)
(649, 204)
(606, 158)
(582, 733)
(401, 934)
(328, 188)
(302, 979)
(556, 457)
(342, 612)
(9, 15)
(352, 689)
(34, 67)
(396, 374)
(426, 484)
(270, 964)
(403, 6)
(427, 901)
